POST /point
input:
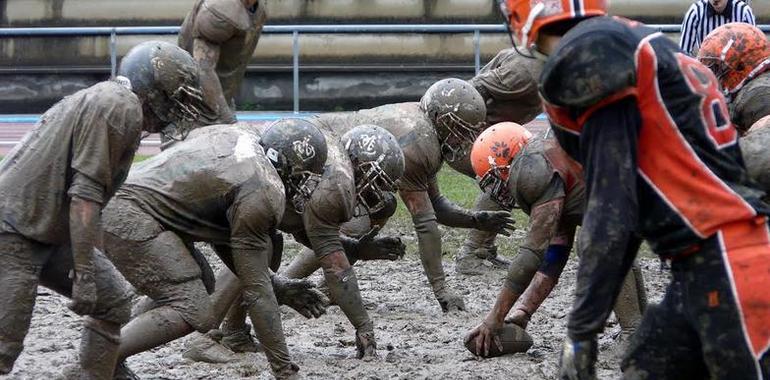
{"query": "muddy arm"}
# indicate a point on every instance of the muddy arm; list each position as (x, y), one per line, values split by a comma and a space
(207, 56)
(429, 243)
(252, 268)
(607, 238)
(451, 215)
(84, 225)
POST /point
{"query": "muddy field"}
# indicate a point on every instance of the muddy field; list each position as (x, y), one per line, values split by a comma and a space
(416, 340)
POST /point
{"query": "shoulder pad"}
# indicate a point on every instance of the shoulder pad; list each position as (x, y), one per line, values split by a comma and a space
(754, 150)
(594, 60)
(530, 175)
(220, 19)
(118, 105)
(335, 197)
(752, 103)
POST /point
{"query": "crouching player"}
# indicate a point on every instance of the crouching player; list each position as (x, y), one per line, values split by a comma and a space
(532, 171)
(227, 187)
(54, 184)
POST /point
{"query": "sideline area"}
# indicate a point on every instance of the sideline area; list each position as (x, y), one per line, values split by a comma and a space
(14, 127)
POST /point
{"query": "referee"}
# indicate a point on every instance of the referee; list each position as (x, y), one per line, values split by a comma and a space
(707, 15)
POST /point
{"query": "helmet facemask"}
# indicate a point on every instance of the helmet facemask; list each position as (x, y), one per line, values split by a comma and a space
(300, 187)
(177, 99)
(299, 184)
(456, 136)
(372, 184)
(494, 182)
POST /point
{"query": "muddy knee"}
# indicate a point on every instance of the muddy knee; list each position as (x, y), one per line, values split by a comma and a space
(522, 269)
(191, 300)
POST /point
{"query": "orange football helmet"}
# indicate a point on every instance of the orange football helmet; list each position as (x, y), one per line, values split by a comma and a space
(736, 53)
(491, 158)
(527, 17)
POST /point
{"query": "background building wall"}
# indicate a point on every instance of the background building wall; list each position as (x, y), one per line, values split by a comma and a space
(338, 71)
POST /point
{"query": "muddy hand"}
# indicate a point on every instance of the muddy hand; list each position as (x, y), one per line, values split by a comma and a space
(495, 221)
(380, 248)
(484, 336)
(450, 302)
(300, 295)
(83, 293)
(366, 346)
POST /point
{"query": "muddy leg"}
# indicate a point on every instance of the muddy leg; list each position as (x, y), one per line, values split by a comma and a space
(630, 305)
(429, 242)
(19, 277)
(100, 337)
(99, 344)
(540, 284)
(343, 286)
(164, 324)
(236, 333)
(303, 265)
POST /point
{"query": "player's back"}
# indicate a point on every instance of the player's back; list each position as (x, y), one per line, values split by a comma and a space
(192, 186)
(411, 127)
(691, 175)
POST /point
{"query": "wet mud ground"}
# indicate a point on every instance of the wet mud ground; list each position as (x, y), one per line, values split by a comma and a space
(415, 339)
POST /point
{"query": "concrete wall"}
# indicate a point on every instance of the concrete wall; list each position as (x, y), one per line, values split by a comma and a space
(171, 12)
(337, 70)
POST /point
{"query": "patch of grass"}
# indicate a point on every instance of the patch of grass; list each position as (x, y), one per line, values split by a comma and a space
(463, 191)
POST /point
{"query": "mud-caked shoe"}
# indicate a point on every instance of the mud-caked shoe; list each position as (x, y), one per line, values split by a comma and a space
(122, 372)
(206, 349)
(472, 264)
(498, 262)
(288, 372)
(366, 345)
(616, 347)
(240, 340)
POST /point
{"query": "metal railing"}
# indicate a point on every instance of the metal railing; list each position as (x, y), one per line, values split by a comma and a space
(295, 31)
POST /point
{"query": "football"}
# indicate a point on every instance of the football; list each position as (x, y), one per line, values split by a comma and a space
(513, 338)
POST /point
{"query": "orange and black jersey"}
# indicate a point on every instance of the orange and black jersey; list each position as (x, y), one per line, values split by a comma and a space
(691, 177)
(660, 155)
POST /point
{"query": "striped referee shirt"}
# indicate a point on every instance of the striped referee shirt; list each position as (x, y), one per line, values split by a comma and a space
(701, 19)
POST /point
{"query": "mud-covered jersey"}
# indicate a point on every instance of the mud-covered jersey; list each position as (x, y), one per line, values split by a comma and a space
(332, 202)
(508, 84)
(755, 146)
(413, 130)
(215, 186)
(542, 172)
(688, 170)
(82, 146)
(231, 26)
(751, 103)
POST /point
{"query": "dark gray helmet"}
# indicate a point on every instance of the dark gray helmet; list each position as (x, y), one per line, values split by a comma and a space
(166, 77)
(378, 163)
(458, 113)
(297, 150)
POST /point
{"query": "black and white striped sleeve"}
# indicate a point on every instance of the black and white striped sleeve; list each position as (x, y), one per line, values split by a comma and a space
(690, 26)
(747, 15)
